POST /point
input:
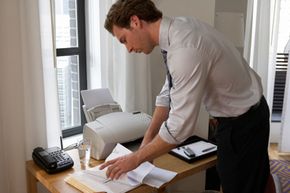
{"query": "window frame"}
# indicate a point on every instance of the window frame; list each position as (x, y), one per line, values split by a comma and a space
(80, 51)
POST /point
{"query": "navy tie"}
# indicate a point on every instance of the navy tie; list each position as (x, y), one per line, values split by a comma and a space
(169, 78)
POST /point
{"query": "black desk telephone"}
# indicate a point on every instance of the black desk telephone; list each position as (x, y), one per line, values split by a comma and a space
(52, 160)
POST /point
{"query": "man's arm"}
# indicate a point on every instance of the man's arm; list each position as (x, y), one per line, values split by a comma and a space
(159, 116)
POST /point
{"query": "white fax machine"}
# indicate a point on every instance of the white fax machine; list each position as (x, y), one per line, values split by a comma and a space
(116, 127)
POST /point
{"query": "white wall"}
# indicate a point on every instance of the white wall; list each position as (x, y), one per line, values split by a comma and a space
(235, 6)
(239, 6)
(232, 6)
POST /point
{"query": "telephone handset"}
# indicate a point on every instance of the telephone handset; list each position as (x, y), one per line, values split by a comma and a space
(52, 160)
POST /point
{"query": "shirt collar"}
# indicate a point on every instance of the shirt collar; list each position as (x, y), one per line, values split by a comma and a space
(164, 33)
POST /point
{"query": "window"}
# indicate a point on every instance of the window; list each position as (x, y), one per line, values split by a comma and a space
(281, 61)
(70, 63)
(279, 86)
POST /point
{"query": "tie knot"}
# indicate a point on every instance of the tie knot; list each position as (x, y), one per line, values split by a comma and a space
(164, 54)
(163, 51)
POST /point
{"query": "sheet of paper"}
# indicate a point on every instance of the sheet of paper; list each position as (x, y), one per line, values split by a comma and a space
(124, 179)
(96, 97)
(141, 172)
(157, 177)
(98, 183)
(147, 173)
(118, 151)
(135, 176)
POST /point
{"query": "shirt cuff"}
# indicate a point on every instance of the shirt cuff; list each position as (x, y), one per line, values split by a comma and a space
(162, 101)
(166, 135)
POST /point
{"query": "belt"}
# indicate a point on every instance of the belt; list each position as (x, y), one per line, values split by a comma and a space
(252, 108)
(255, 106)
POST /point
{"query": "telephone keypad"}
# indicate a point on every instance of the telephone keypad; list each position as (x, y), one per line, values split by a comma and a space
(53, 159)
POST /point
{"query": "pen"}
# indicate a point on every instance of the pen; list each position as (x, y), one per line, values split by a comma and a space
(107, 180)
(208, 149)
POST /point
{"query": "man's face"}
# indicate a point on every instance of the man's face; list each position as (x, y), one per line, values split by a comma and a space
(136, 38)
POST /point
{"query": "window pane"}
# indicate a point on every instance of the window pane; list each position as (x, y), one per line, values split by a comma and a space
(68, 91)
(66, 23)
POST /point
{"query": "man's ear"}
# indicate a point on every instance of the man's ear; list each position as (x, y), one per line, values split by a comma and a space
(134, 21)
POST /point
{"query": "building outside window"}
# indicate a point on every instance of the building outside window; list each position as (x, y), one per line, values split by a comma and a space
(70, 63)
(281, 60)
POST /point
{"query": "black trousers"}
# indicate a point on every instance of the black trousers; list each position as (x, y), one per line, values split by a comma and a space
(243, 162)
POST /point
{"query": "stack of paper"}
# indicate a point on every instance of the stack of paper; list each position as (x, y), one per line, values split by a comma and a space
(95, 180)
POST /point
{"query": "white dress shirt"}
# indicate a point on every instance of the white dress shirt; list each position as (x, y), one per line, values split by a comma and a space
(205, 67)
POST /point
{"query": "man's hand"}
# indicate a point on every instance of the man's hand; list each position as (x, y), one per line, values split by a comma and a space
(120, 165)
(150, 151)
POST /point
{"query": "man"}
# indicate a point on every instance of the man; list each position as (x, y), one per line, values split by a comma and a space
(202, 67)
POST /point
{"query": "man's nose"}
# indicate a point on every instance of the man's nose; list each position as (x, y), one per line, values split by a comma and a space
(129, 48)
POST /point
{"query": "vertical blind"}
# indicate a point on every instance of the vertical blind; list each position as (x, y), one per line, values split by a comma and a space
(279, 85)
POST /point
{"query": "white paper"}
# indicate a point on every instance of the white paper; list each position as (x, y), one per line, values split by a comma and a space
(137, 175)
(100, 184)
(157, 177)
(118, 151)
(232, 26)
(96, 97)
(124, 179)
(146, 173)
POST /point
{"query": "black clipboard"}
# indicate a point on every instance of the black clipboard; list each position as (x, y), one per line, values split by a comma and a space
(200, 147)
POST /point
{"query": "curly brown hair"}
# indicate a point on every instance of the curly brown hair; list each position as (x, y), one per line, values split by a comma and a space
(121, 12)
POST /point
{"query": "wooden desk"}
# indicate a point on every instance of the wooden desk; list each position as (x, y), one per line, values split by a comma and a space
(55, 182)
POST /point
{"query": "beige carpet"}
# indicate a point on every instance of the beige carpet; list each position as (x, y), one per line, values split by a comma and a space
(281, 174)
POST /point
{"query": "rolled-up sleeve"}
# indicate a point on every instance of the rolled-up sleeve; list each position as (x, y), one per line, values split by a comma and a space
(163, 98)
(188, 68)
